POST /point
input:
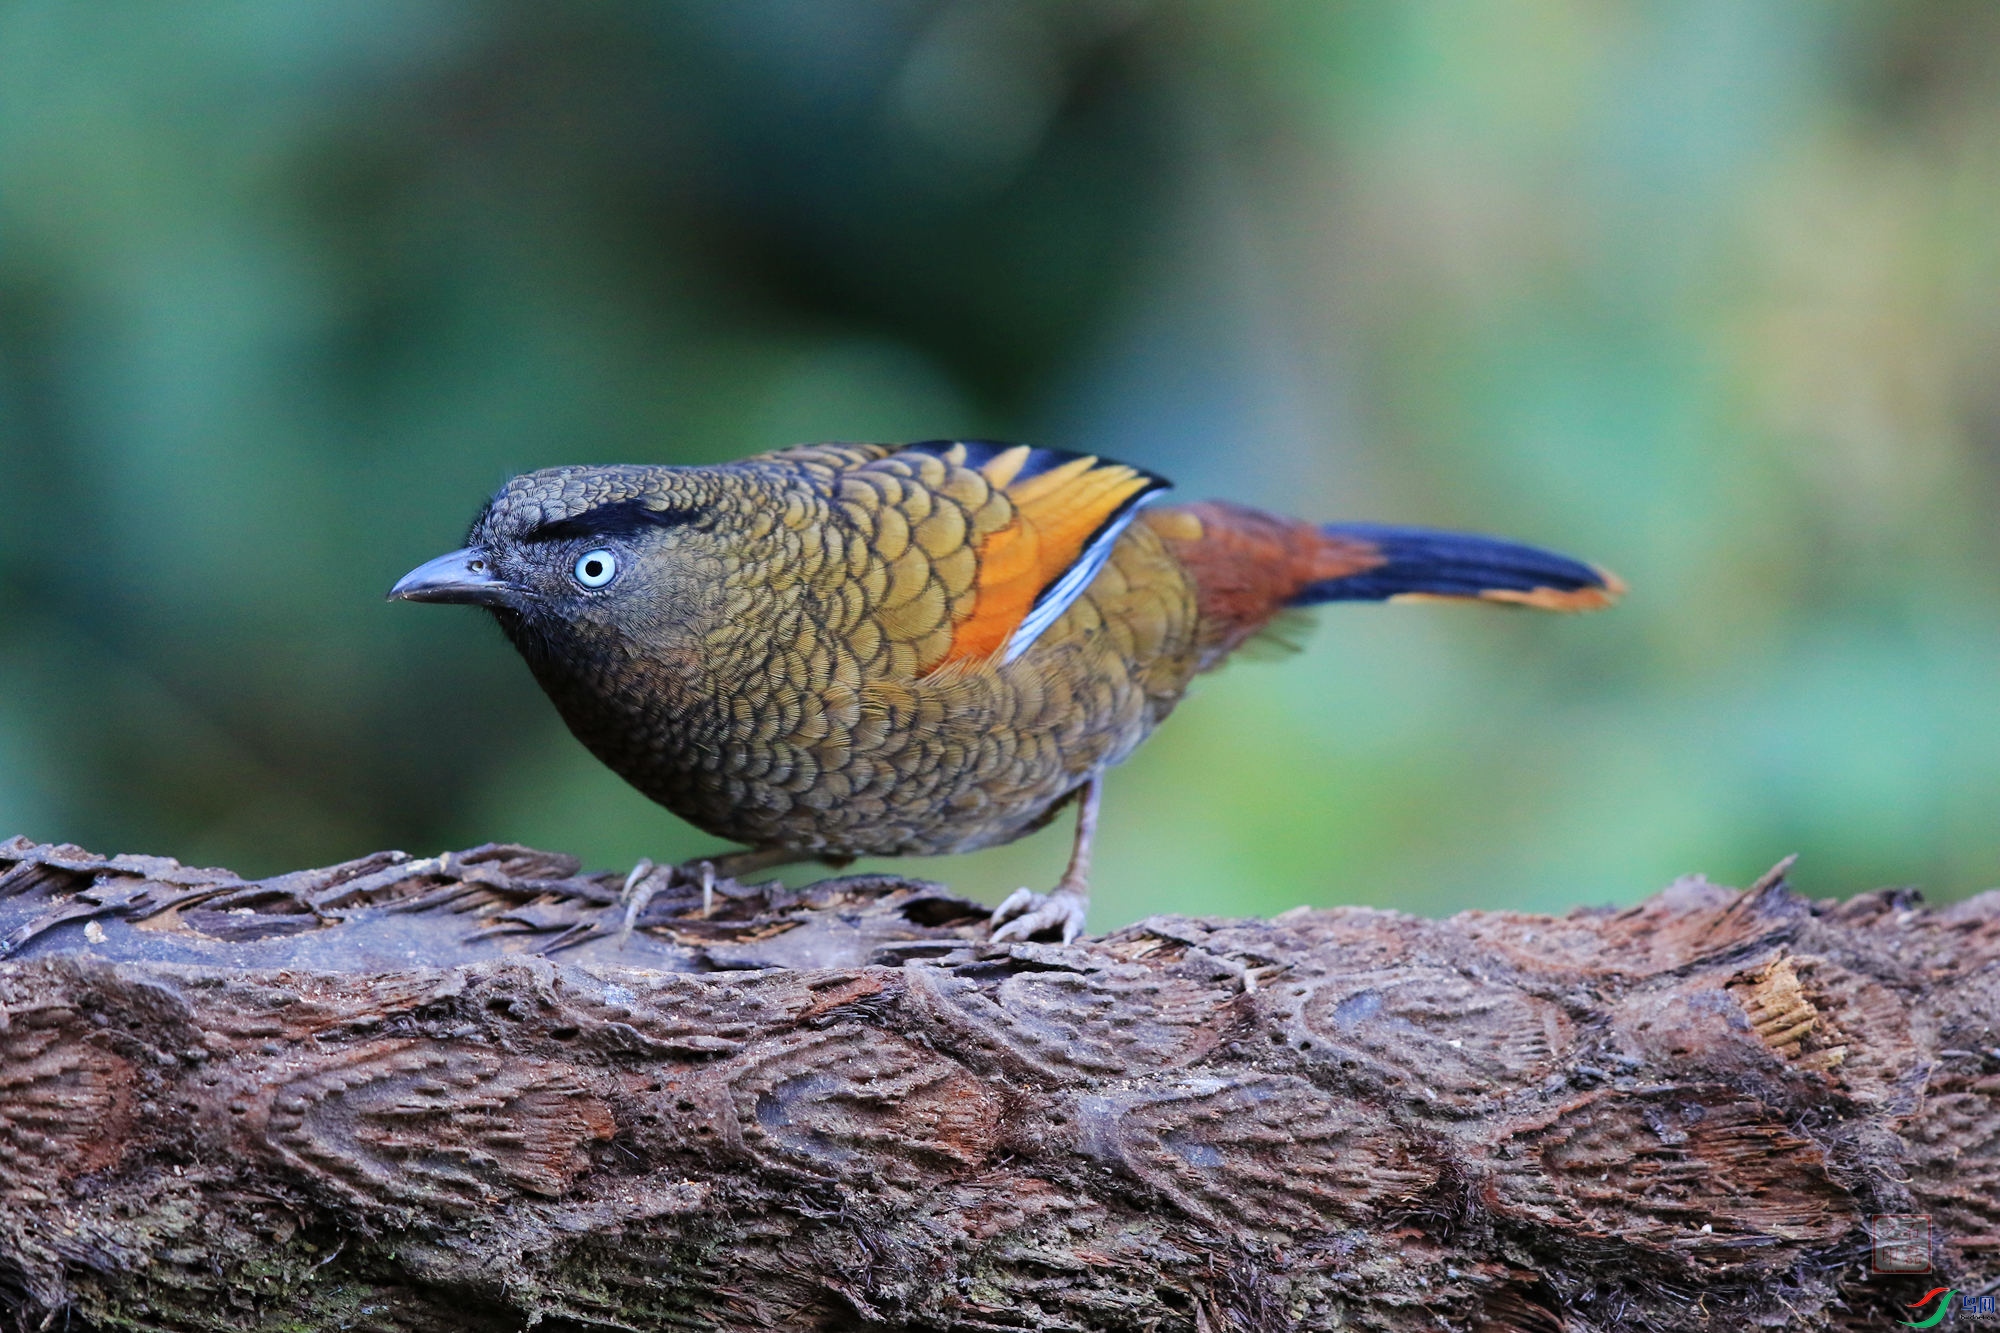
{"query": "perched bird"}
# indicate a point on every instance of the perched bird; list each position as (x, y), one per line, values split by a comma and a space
(847, 650)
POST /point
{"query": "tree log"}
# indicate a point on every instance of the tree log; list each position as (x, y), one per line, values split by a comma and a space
(484, 1091)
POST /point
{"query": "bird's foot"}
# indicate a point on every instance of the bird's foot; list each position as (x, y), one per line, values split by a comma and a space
(645, 880)
(1026, 913)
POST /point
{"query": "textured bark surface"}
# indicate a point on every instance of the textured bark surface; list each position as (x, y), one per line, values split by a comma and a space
(446, 1094)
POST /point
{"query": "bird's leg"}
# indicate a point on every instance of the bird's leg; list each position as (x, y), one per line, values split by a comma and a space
(1026, 912)
(735, 865)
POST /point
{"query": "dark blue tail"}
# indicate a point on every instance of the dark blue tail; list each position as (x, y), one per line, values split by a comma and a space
(1423, 562)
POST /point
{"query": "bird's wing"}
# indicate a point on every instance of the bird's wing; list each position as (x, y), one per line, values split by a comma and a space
(1013, 534)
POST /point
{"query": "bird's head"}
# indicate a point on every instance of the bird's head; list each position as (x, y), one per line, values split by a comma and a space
(579, 561)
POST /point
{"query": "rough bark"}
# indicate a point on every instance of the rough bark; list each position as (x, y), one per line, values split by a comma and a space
(446, 1094)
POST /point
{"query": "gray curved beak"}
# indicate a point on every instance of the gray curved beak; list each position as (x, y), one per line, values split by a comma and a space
(461, 576)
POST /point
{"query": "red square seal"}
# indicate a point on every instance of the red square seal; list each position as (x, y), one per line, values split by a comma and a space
(1902, 1243)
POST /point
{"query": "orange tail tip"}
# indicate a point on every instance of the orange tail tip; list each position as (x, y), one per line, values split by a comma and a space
(1602, 596)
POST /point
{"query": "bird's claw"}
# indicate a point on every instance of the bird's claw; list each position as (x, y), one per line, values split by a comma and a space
(1026, 913)
(647, 879)
(640, 886)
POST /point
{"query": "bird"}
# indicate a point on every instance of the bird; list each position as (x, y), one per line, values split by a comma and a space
(839, 650)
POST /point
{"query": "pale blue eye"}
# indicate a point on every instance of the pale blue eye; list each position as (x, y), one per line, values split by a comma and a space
(594, 569)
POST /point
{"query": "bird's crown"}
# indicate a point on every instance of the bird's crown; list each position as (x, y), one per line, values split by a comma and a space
(541, 503)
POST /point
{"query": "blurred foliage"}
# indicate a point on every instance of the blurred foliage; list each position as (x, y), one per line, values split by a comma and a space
(1708, 292)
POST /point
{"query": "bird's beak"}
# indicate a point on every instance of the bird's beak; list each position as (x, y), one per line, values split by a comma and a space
(461, 576)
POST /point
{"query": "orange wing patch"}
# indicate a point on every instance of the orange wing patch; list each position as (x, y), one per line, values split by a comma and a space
(1069, 510)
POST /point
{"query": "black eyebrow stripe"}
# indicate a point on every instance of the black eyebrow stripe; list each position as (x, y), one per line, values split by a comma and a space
(620, 518)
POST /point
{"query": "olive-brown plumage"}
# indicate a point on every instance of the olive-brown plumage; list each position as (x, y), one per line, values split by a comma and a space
(846, 650)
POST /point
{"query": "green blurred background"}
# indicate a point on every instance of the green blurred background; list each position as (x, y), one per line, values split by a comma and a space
(1708, 292)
